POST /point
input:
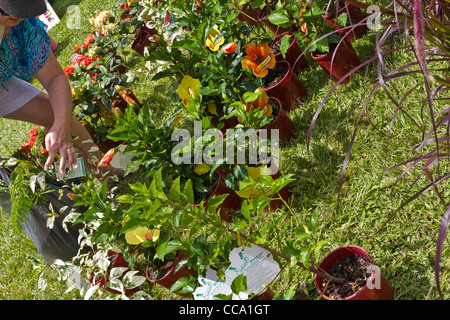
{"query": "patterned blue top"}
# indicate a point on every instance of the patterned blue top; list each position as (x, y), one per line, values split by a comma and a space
(24, 50)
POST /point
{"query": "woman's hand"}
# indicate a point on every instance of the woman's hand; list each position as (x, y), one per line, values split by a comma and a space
(59, 141)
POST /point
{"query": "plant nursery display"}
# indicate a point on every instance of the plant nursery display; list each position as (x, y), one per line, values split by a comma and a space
(209, 205)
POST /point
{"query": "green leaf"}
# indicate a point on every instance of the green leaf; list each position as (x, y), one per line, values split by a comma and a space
(161, 248)
(189, 192)
(125, 198)
(285, 42)
(342, 19)
(304, 255)
(245, 210)
(278, 17)
(312, 223)
(183, 285)
(239, 284)
(175, 193)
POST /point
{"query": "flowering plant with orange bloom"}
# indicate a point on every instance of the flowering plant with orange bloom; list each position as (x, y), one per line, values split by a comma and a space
(254, 110)
(259, 59)
(311, 27)
(107, 158)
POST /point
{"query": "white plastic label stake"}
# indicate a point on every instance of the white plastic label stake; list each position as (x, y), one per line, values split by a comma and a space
(77, 172)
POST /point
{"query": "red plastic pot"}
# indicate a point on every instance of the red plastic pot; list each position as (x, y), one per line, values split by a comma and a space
(289, 89)
(338, 62)
(294, 55)
(355, 15)
(172, 276)
(282, 122)
(143, 40)
(371, 291)
(117, 261)
(249, 15)
(231, 203)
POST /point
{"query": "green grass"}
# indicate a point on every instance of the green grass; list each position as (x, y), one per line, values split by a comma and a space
(402, 244)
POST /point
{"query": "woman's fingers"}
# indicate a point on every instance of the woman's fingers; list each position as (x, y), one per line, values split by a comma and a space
(66, 152)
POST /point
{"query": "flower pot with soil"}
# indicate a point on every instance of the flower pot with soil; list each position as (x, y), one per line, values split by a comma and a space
(293, 53)
(282, 122)
(166, 276)
(284, 85)
(364, 281)
(341, 59)
(116, 261)
(230, 205)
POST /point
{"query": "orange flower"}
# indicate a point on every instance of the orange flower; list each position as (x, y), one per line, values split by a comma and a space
(303, 27)
(258, 59)
(261, 103)
(107, 158)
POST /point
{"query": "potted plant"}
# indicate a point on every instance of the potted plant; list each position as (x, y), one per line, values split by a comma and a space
(354, 15)
(258, 110)
(297, 251)
(365, 282)
(276, 76)
(286, 47)
(333, 53)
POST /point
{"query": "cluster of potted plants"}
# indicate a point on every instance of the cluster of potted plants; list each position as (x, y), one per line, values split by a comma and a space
(235, 83)
(214, 164)
(96, 72)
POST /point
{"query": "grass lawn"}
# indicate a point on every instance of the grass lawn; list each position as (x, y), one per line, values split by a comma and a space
(402, 243)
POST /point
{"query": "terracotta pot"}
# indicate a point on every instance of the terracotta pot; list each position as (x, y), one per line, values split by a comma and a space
(356, 15)
(250, 15)
(268, 294)
(117, 261)
(289, 89)
(338, 62)
(231, 203)
(282, 122)
(294, 55)
(171, 277)
(377, 287)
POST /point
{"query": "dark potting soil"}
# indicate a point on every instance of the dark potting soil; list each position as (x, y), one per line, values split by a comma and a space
(275, 75)
(353, 269)
(275, 46)
(161, 272)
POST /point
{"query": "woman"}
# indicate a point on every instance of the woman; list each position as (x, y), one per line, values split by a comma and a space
(25, 53)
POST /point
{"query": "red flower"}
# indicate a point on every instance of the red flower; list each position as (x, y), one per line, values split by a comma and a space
(72, 196)
(107, 158)
(230, 48)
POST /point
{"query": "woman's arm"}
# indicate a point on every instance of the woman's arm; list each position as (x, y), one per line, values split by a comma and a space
(59, 136)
